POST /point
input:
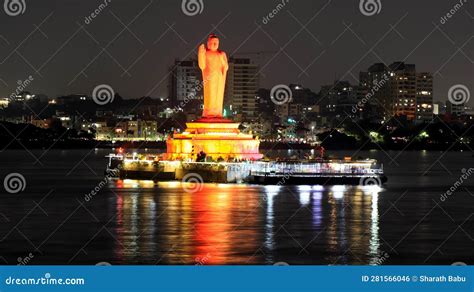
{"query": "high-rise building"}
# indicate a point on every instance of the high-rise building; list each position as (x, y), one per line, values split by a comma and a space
(374, 90)
(455, 110)
(407, 93)
(241, 87)
(242, 83)
(185, 83)
(403, 89)
(338, 99)
(424, 97)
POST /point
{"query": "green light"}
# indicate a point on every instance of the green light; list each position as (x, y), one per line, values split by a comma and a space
(424, 134)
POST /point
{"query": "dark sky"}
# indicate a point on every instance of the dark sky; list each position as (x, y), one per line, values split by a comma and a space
(339, 41)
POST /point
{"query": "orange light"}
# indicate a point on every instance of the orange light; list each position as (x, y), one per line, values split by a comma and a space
(213, 64)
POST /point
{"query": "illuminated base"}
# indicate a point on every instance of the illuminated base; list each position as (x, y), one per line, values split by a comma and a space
(218, 138)
(217, 120)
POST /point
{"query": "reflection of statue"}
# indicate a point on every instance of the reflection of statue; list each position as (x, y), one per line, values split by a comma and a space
(214, 66)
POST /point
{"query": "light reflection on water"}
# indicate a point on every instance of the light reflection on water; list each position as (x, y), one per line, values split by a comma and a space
(139, 222)
(245, 224)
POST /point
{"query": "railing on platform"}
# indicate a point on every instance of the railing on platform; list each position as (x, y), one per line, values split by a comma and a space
(273, 168)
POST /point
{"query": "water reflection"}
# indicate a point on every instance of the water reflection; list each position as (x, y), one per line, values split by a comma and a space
(244, 224)
(212, 226)
(374, 229)
(304, 198)
(337, 226)
(270, 193)
(317, 210)
(134, 234)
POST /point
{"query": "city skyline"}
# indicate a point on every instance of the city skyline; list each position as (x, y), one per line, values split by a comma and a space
(271, 133)
(137, 62)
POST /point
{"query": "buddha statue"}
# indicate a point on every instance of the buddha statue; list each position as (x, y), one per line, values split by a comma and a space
(213, 64)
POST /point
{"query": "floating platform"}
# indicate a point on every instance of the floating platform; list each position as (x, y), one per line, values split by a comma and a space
(343, 179)
(316, 172)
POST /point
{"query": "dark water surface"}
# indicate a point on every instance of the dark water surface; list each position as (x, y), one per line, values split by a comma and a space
(138, 222)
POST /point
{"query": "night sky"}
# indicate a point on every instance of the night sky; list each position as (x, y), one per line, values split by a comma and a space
(48, 43)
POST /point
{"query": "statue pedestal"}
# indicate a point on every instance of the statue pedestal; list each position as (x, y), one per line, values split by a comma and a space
(217, 137)
(213, 120)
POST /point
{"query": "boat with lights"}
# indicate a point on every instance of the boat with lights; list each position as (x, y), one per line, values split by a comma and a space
(281, 172)
(320, 172)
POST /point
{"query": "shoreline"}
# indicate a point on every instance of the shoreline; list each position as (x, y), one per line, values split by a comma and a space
(161, 145)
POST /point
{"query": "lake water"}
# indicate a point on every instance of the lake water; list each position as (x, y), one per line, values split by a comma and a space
(138, 222)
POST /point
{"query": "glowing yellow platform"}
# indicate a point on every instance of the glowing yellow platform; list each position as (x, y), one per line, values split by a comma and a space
(219, 140)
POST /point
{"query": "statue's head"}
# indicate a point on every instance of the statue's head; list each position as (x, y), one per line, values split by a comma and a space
(213, 42)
